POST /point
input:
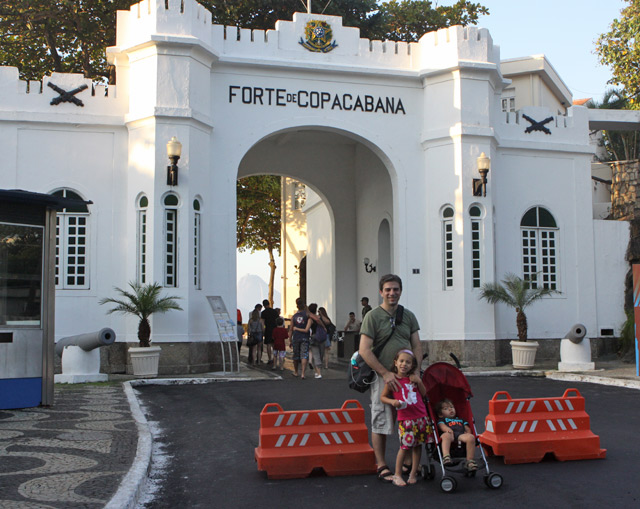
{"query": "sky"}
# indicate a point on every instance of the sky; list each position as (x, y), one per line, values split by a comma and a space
(564, 30)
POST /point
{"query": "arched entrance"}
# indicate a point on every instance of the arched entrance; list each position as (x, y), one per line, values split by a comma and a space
(355, 196)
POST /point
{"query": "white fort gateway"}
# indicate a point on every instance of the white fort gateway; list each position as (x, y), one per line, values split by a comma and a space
(388, 135)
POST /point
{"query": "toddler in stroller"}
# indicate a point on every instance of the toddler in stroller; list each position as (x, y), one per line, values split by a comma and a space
(447, 387)
(455, 430)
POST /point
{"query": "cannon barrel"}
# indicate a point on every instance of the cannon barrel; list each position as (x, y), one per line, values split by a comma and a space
(577, 333)
(89, 341)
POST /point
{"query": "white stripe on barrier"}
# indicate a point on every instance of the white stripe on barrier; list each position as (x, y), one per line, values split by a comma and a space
(511, 428)
(347, 435)
(519, 409)
(324, 439)
(279, 420)
(530, 407)
(564, 428)
(573, 424)
(550, 423)
(569, 405)
(490, 426)
(533, 426)
(523, 426)
(304, 419)
(292, 440)
(292, 419)
(548, 405)
(347, 417)
(323, 418)
(280, 440)
(559, 404)
(303, 442)
(336, 437)
(509, 407)
(336, 419)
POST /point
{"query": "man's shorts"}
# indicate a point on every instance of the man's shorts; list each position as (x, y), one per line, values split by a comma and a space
(300, 349)
(382, 418)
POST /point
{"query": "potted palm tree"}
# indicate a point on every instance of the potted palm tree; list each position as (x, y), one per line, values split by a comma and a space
(517, 293)
(142, 301)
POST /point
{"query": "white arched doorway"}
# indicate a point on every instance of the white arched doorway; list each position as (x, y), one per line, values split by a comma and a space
(354, 195)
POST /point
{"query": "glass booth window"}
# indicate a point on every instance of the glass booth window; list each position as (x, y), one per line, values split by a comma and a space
(21, 252)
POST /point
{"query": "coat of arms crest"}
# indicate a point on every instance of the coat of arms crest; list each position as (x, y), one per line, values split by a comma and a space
(318, 37)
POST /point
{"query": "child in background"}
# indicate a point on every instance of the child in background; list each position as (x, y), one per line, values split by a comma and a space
(413, 424)
(454, 428)
(279, 347)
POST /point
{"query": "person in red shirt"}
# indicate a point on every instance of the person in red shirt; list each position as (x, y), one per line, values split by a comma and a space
(279, 334)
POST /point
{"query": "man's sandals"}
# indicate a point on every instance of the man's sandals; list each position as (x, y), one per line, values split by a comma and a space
(385, 474)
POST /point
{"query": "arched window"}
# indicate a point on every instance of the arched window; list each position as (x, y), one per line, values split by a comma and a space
(475, 213)
(196, 243)
(540, 248)
(171, 203)
(447, 247)
(72, 244)
(141, 240)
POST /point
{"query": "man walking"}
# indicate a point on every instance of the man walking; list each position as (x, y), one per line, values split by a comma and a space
(365, 306)
(383, 325)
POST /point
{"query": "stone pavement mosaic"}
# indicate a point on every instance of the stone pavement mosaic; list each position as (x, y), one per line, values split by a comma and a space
(71, 455)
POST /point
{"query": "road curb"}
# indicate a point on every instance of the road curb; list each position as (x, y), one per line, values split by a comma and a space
(594, 379)
(133, 483)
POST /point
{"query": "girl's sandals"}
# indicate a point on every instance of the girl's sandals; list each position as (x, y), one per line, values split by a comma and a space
(385, 474)
(472, 466)
(446, 461)
(398, 481)
(413, 479)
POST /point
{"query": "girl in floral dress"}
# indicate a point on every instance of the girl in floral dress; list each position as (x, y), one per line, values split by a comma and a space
(413, 425)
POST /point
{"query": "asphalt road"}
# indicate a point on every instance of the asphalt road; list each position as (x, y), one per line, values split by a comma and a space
(207, 435)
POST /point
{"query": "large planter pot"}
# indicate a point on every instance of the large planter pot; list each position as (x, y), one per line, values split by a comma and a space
(524, 354)
(144, 361)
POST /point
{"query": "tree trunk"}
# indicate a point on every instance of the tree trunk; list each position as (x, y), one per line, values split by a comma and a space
(144, 333)
(272, 275)
(521, 322)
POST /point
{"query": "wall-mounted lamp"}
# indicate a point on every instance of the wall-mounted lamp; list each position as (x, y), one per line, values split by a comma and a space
(480, 185)
(174, 150)
(369, 267)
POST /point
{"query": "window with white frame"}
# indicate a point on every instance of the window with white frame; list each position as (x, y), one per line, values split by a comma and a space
(476, 231)
(540, 248)
(171, 240)
(196, 243)
(141, 255)
(72, 244)
(508, 102)
(447, 248)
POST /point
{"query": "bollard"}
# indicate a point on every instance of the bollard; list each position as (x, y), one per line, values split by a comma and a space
(575, 354)
(81, 357)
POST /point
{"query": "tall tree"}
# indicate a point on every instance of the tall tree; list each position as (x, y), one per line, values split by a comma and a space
(258, 221)
(619, 49)
(44, 36)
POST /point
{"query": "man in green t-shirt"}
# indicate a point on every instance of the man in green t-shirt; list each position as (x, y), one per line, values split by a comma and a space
(379, 325)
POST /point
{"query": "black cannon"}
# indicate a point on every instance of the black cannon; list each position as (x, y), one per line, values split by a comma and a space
(89, 341)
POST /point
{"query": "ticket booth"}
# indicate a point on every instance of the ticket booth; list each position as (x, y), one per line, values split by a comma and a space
(27, 265)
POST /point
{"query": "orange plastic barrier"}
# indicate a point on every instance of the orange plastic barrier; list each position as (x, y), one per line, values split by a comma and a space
(294, 443)
(524, 430)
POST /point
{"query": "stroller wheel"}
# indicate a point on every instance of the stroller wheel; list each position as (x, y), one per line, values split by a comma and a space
(448, 484)
(428, 472)
(493, 481)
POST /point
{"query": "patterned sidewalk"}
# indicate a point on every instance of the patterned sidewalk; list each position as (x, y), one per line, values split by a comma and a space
(72, 455)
